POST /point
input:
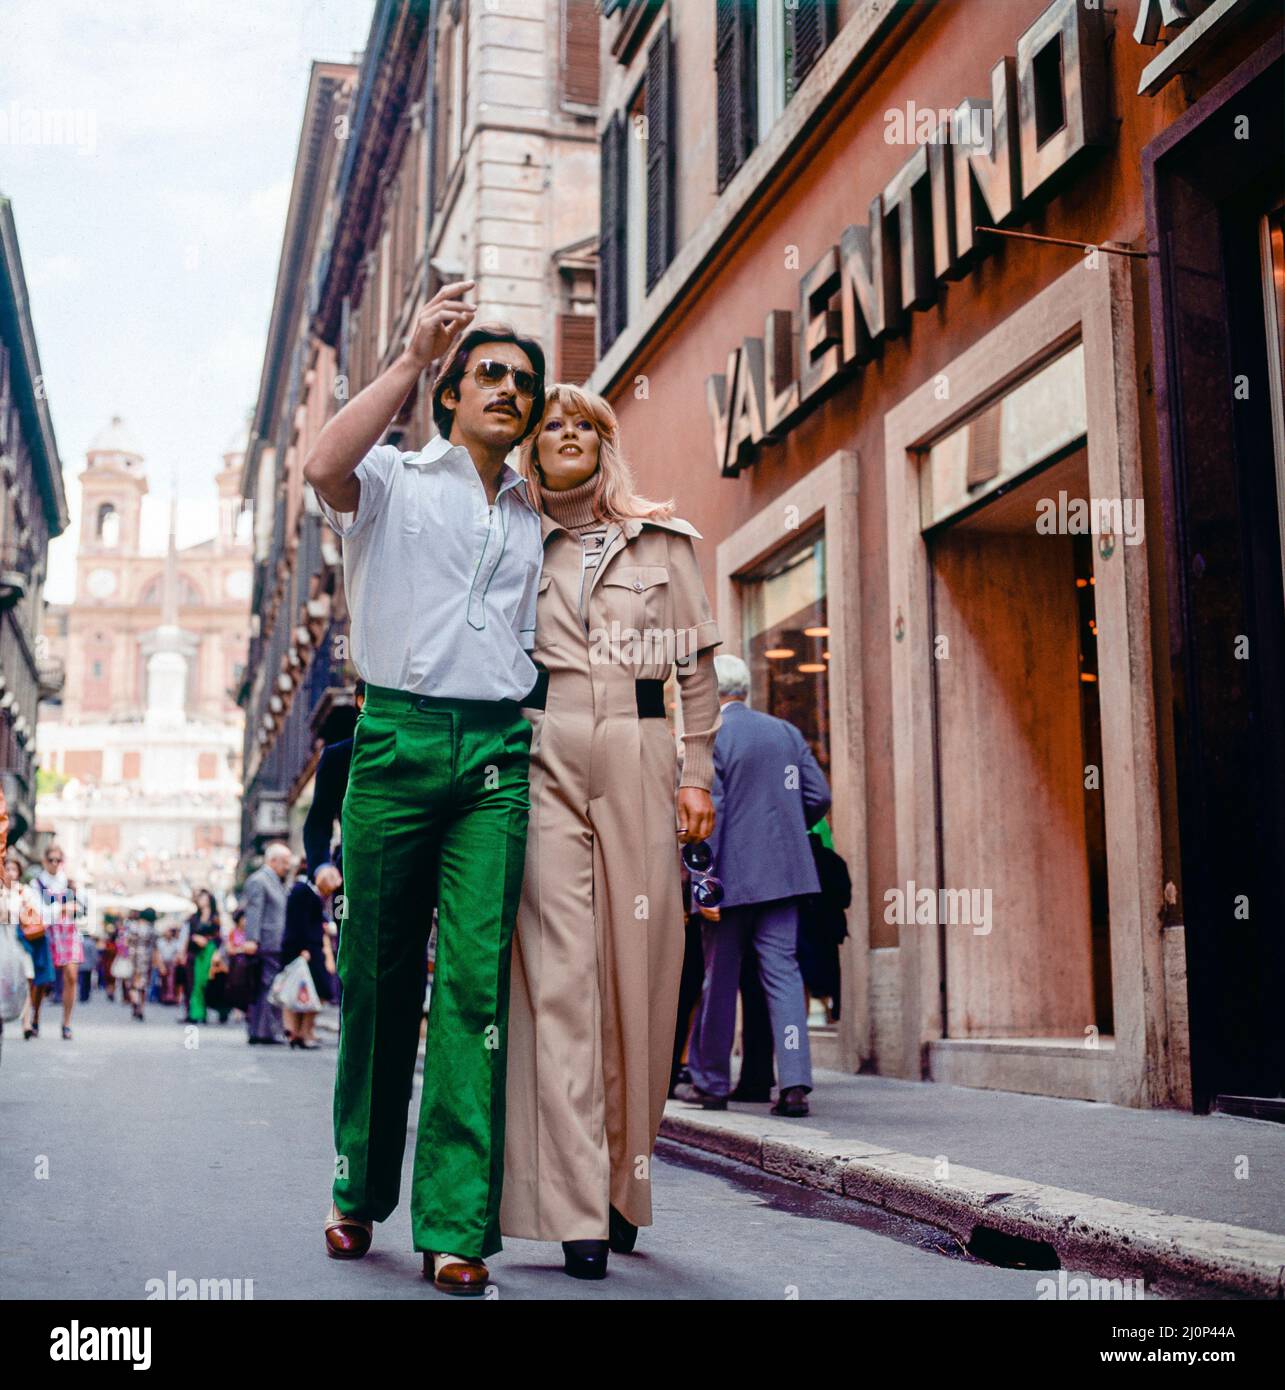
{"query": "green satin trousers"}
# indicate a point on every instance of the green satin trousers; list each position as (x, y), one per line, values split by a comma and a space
(435, 815)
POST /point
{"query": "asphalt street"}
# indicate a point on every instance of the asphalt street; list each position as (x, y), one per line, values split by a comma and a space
(128, 1152)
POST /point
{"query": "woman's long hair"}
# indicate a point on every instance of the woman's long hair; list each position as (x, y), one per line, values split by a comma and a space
(214, 906)
(614, 498)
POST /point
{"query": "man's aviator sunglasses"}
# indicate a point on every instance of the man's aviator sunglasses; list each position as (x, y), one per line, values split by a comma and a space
(491, 372)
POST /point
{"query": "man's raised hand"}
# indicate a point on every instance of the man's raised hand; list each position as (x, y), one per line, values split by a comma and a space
(438, 322)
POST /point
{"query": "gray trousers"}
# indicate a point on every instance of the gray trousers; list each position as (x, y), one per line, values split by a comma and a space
(263, 1019)
(771, 931)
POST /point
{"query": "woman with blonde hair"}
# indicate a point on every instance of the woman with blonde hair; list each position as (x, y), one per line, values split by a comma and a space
(599, 939)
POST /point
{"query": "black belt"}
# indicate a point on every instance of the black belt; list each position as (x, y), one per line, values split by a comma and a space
(650, 696)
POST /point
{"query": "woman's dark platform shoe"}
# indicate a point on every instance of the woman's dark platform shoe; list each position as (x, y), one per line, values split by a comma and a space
(623, 1233)
(585, 1259)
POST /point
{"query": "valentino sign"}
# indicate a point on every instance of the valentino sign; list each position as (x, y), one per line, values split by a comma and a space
(981, 166)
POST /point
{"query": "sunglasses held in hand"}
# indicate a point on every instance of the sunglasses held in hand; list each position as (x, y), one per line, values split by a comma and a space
(707, 891)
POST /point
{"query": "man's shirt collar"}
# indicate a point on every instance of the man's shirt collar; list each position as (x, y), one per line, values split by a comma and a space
(440, 448)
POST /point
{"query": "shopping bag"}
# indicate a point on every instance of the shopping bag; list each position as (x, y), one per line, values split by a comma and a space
(306, 1000)
(122, 968)
(13, 974)
(293, 989)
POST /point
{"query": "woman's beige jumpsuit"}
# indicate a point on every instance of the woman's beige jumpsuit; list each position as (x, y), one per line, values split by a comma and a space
(598, 947)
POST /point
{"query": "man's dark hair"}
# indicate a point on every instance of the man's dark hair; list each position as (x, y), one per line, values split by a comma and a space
(451, 372)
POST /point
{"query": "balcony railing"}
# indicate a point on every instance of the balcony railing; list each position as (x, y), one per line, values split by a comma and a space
(16, 564)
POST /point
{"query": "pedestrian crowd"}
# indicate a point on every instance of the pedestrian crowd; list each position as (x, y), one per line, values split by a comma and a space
(203, 967)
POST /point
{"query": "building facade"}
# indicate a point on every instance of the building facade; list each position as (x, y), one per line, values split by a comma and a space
(33, 510)
(141, 746)
(297, 687)
(987, 497)
(463, 147)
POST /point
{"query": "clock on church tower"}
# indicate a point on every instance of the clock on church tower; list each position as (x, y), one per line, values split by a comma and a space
(101, 583)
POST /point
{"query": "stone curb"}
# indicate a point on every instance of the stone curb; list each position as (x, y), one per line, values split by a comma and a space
(1090, 1234)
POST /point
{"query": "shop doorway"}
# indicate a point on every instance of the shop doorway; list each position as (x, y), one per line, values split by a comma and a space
(1218, 309)
(995, 732)
(1020, 813)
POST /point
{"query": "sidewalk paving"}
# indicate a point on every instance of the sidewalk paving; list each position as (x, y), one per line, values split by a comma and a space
(1154, 1193)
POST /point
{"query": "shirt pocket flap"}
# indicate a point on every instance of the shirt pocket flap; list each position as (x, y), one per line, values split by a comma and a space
(545, 581)
(639, 578)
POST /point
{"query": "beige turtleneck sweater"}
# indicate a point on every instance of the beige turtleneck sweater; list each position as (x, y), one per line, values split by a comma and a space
(572, 508)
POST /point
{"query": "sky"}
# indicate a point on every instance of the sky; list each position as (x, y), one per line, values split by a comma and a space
(148, 148)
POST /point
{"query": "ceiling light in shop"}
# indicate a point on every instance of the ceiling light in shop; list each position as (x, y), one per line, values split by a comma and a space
(811, 668)
(778, 653)
(816, 632)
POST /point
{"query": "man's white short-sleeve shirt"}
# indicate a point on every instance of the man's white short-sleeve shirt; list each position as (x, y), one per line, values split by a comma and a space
(441, 587)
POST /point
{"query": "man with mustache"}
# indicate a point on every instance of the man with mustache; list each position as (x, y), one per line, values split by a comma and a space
(442, 554)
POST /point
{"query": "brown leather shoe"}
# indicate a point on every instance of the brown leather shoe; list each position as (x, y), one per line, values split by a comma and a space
(455, 1274)
(792, 1101)
(347, 1238)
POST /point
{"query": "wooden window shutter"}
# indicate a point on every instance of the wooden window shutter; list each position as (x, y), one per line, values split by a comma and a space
(658, 105)
(461, 19)
(809, 29)
(580, 52)
(736, 75)
(612, 301)
(576, 356)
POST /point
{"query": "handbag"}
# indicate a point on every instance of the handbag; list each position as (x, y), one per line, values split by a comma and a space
(30, 919)
(122, 968)
(242, 984)
(216, 992)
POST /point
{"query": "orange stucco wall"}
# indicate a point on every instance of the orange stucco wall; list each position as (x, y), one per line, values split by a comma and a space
(668, 435)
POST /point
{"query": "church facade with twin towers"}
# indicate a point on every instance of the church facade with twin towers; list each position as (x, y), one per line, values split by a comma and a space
(140, 756)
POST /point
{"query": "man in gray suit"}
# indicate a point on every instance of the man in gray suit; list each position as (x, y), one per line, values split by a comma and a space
(264, 901)
(768, 791)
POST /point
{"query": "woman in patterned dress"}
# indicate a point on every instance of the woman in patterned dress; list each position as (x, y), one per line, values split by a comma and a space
(59, 906)
(140, 939)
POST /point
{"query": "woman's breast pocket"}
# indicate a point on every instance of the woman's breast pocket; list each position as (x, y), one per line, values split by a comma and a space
(635, 612)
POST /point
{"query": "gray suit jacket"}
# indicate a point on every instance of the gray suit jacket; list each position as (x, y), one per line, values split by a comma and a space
(768, 790)
(265, 909)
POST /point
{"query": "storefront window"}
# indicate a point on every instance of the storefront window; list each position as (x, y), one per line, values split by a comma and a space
(786, 640)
